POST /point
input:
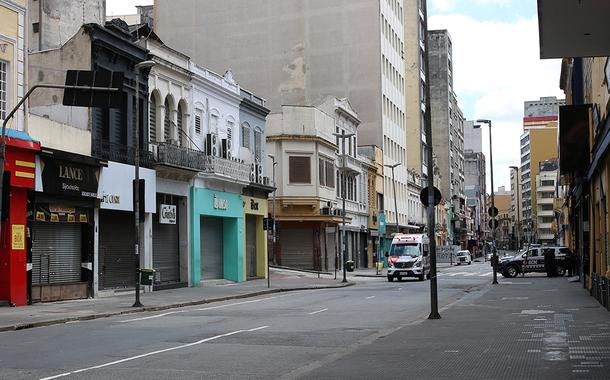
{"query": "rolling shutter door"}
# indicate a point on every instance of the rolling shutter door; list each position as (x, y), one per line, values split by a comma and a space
(166, 252)
(331, 247)
(211, 232)
(118, 268)
(251, 245)
(297, 248)
(56, 253)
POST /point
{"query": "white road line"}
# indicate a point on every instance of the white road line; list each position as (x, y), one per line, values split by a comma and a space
(471, 274)
(370, 297)
(319, 311)
(153, 316)
(456, 274)
(486, 274)
(151, 353)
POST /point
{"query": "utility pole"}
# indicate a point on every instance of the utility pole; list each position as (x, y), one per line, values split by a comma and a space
(136, 195)
(434, 314)
(343, 136)
(273, 221)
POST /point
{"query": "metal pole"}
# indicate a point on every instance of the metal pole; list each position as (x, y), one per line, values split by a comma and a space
(434, 314)
(493, 230)
(395, 201)
(343, 190)
(136, 203)
(273, 227)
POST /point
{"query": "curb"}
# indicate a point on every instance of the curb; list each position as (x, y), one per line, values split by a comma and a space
(24, 326)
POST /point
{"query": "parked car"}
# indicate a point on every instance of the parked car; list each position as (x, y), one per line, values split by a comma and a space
(463, 257)
(532, 260)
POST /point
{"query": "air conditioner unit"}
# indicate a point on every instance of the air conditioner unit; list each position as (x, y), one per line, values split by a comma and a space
(259, 173)
(252, 173)
(266, 181)
(326, 211)
(211, 144)
(226, 148)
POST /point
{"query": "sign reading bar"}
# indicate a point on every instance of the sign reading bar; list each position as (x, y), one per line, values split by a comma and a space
(167, 214)
(69, 178)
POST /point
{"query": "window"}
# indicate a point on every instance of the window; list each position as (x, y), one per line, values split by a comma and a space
(299, 169)
(198, 114)
(166, 122)
(258, 145)
(322, 172)
(326, 173)
(3, 89)
(152, 119)
(229, 130)
(245, 135)
(179, 131)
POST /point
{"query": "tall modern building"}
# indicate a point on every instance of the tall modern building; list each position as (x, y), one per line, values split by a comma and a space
(546, 182)
(447, 130)
(516, 208)
(475, 176)
(538, 143)
(295, 52)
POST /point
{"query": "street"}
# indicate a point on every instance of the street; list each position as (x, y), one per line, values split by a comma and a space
(264, 337)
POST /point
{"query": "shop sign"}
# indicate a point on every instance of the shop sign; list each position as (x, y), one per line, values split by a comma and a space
(116, 187)
(219, 203)
(253, 205)
(69, 178)
(18, 236)
(167, 214)
(56, 214)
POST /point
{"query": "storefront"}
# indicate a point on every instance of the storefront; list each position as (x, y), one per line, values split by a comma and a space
(217, 236)
(19, 179)
(61, 223)
(116, 262)
(170, 235)
(255, 210)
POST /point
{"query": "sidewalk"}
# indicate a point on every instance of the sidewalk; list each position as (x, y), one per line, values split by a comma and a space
(43, 314)
(523, 328)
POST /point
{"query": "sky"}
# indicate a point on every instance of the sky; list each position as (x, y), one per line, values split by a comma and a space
(496, 66)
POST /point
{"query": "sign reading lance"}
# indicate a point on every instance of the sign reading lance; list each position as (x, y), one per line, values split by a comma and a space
(167, 214)
(69, 178)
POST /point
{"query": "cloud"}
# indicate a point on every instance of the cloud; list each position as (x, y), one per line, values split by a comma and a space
(451, 5)
(497, 68)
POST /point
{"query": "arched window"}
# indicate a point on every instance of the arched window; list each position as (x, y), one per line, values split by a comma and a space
(180, 131)
(258, 144)
(245, 135)
(166, 122)
(152, 119)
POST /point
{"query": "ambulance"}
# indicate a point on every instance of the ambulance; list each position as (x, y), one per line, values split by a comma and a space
(409, 257)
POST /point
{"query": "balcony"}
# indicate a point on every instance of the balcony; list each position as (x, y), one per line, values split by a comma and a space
(106, 150)
(177, 157)
(223, 168)
(545, 213)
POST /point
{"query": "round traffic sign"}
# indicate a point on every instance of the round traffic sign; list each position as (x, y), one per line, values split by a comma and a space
(423, 196)
(492, 211)
(493, 224)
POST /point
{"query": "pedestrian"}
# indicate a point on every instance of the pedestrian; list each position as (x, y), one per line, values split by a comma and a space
(549, 258)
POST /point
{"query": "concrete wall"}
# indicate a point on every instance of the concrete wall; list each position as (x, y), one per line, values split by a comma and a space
(59, 20)
(546, 106)
(59, 136)
(288, 51)
(473, 137)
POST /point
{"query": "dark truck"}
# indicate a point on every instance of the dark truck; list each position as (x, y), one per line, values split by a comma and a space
(532, 260)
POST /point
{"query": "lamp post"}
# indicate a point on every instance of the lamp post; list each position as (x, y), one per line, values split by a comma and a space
(517, 191)
(136, 162)
(494, 262)
(272, 157)
(394, 190)
(343, 136)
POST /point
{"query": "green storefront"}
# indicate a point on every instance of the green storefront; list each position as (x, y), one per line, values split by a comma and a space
(217, 236)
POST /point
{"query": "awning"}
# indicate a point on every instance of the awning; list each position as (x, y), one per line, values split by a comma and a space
(600, 150)
(573, 28)
(574, 139)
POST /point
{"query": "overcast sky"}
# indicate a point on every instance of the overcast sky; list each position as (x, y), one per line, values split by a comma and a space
(496, 66)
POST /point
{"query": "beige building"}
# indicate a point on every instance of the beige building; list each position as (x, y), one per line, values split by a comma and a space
(12, 59)
(289, 53)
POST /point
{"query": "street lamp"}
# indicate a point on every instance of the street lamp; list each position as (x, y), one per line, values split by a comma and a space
(136, 162)
(343, 136)
(272, 157)
(517, 190)
(494, 259)
(394, 187)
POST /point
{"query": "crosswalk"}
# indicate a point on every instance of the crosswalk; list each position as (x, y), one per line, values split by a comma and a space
(465, 274)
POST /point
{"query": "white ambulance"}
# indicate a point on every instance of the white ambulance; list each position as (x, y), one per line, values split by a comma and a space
(409, 257)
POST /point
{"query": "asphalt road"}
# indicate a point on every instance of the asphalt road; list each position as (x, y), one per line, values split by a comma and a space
(285, 335)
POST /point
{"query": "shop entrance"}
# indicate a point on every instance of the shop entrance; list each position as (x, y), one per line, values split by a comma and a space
(211, 248)
(251, 246)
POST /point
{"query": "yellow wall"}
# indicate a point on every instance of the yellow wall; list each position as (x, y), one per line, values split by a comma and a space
(502, 203)
(543, 146)
(261, 235)
(9, 26)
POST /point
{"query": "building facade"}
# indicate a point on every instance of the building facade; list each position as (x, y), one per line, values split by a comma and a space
(515, 210)
(296, 67)
(546, 194)
(448, 131)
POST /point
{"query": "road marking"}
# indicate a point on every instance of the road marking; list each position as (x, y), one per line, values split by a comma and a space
(471, 274)
(319, 311)
(151, 353)
(456, 274)
(153, 316)
(486, 274)
(399, 288)
(370, 297)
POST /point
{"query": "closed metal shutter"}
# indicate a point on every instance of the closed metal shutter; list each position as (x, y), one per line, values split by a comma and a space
(166, 250)
(297, 248)
(251, 245)
(331, 249)
(117, 258)
(56, 253)
(211, 232)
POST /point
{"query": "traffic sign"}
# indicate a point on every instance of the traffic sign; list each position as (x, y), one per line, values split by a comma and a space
(382, 223)
(423, 196)
(492, 211)
(493, 223)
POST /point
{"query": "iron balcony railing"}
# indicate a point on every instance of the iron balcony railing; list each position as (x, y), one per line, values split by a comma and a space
(110, 151)
(190, 159)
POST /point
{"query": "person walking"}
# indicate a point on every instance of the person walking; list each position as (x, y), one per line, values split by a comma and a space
(549, 262)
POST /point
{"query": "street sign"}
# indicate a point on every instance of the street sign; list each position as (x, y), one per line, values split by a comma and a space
(94, 98)
(423, 196)
(493, 224)
(268, 224)
(382, 223)
(492, 211)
